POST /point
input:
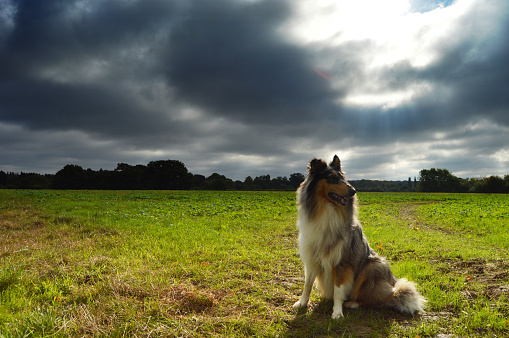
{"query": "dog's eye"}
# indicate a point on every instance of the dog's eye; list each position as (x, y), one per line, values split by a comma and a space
(333, 179)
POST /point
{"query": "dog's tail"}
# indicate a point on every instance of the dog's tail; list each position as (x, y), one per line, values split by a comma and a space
(405, 297)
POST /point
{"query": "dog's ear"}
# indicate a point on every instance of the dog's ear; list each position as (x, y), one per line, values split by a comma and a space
(336, 163)
(316, 165)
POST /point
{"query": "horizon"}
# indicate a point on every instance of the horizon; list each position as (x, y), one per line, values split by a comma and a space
(413, 178)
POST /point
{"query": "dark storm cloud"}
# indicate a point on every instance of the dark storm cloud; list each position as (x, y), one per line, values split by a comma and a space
(478, 86)
(51, 31)
(223, 56)
(43, 105)
(231, 60)
(62, 37)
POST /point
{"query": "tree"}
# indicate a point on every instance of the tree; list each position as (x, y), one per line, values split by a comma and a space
(126, 176)
(199, 181)
(218, 182)
(279, 183)
(262, 181)
(123, 167)
(492, 184)
(495, 184)
(71, 177)
(248, 183)
(169, 174)
(439, 180)
(3, 179)
(296, 179)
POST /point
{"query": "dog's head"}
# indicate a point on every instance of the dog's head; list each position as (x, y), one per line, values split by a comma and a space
(330, 182)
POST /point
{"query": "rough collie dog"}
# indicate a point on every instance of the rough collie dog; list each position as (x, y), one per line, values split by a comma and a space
(335, 251)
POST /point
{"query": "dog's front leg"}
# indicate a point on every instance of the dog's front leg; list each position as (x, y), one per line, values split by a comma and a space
(308, 285)
(343, 285)
(339, 298)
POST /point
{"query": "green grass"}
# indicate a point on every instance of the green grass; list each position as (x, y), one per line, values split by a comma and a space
(193, 264)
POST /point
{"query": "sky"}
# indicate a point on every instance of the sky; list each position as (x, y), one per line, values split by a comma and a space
(251, 87)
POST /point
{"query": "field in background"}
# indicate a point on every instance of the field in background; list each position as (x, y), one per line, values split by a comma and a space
(194, 263)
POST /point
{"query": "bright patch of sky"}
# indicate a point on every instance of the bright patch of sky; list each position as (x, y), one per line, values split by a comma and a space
(399, 31)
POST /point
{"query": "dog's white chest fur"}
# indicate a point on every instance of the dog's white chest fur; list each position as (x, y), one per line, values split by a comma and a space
(320, 240)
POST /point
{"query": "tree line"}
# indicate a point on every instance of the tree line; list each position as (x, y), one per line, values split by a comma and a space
(441, 180)
(173, 175)
(156, 175)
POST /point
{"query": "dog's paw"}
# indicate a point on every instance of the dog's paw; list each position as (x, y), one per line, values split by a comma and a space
(337, 315)
(351, 305)
(300, 305)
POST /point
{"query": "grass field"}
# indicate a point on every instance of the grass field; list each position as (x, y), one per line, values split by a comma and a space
(195, 263)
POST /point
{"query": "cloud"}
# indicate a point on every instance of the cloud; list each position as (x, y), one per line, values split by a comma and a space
(230, 86)
(230, 60)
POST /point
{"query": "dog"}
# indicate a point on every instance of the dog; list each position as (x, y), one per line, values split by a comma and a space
(335, 251)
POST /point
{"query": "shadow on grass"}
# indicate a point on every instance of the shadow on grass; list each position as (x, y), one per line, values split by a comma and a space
(363, 322)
